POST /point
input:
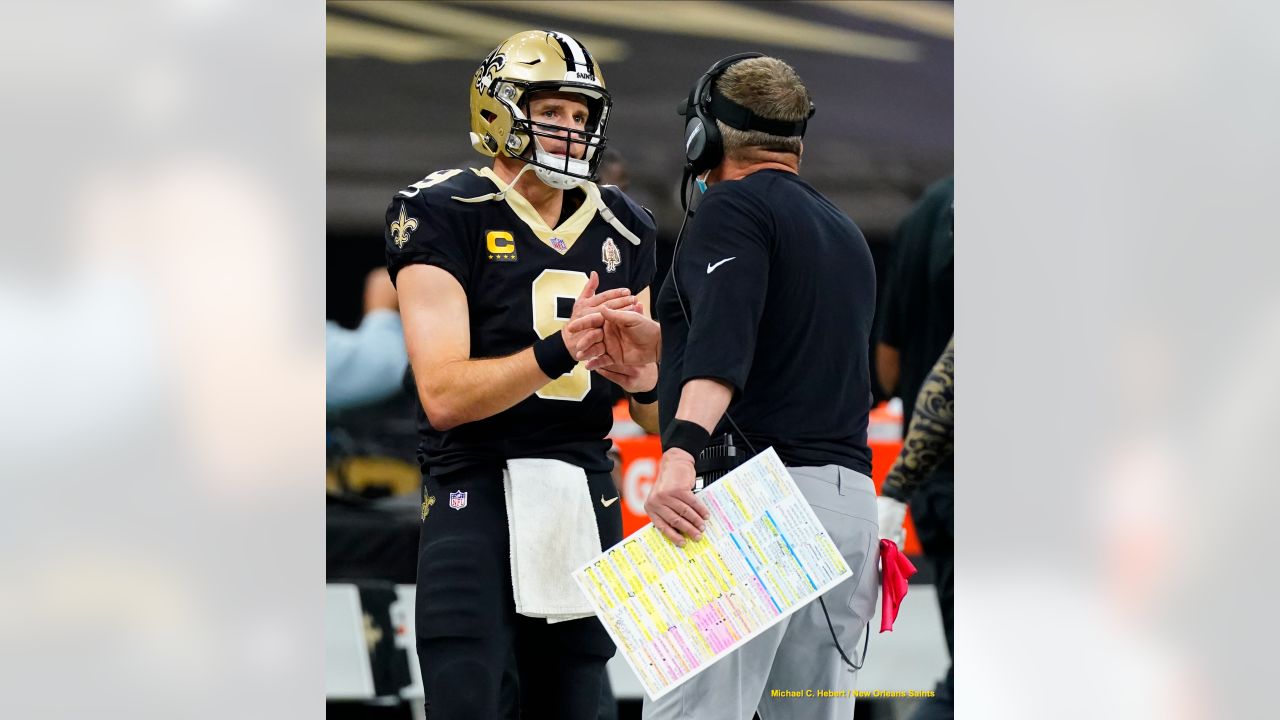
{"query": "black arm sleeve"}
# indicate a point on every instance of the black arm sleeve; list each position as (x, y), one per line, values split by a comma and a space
(724, 276)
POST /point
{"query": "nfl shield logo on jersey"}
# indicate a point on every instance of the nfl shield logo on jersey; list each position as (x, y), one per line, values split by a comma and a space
(458, 500)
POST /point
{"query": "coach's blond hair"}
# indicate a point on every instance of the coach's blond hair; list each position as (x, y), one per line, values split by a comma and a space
(771, 89)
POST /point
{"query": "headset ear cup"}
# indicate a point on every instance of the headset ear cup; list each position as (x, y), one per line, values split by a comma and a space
(713, 146)
(695, 140)
(704, 148)
(702, 143)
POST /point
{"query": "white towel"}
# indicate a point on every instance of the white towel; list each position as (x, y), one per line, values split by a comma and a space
(553, 532)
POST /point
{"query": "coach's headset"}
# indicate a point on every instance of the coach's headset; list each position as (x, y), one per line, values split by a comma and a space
(703, 150)
(703, 145)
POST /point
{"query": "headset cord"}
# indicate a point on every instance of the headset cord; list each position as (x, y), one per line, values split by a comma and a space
(866, 640)
(685, 202)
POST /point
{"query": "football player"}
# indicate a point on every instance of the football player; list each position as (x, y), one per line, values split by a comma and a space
(490, 265)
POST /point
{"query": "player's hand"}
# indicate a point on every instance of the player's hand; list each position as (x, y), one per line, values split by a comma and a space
(632, 378)
(619, 337)
(589, 332)
(672, 506)
(891, 514)
(589, 303)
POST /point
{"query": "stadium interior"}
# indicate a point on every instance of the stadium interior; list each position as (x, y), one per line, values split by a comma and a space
(881, 76)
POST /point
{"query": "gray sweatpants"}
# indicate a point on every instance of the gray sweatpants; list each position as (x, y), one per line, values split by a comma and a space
(796, 655)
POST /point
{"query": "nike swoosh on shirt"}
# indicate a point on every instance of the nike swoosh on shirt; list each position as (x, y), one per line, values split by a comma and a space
(711, 267)
(607, 503)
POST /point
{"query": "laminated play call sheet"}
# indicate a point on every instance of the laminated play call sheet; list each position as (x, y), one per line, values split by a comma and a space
(674, 611)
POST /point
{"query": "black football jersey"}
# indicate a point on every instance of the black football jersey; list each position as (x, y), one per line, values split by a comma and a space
(521, 278)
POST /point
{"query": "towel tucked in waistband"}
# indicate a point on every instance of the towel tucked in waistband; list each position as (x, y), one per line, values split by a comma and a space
(553, 532)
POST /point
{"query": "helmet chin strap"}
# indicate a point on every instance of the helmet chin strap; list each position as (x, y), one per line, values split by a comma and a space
(501, 194)
(555, 178)
(592, 192)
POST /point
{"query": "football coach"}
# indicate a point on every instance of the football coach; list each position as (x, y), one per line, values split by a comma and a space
(764, 322)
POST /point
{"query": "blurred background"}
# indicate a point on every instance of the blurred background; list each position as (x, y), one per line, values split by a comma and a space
(163, 269)
(398, 74)
(880, 74)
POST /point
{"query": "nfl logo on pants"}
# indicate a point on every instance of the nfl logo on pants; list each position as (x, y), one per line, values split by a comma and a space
(458, 500)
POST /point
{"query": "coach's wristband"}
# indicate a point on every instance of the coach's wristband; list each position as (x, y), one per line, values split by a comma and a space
(648, 397)
(553, 357)
(688, 436)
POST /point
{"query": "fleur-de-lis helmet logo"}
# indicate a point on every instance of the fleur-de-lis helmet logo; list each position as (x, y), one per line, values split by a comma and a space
(491, 65)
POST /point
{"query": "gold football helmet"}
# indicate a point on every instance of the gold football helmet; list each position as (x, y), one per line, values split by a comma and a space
(530, 62)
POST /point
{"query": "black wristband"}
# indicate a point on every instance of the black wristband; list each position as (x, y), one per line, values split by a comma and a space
(648, 397)
(553, 357)
(688, 436)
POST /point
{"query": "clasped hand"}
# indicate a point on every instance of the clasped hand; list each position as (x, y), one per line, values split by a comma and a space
(616, 338)
(583, 336)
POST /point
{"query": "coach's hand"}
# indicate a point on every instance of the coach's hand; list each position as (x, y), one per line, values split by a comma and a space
(632, 378)
(588, 303)
(618, 336)
(672, 506)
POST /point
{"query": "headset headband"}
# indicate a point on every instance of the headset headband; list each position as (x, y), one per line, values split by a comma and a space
(719, 107)
(708, 77)
(736, 116)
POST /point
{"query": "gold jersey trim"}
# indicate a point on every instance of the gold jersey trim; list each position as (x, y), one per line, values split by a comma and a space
(568, 232)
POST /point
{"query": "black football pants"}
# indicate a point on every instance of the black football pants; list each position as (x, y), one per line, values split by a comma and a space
(479, 659)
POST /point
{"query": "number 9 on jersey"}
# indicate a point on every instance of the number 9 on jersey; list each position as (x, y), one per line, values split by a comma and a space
(548, 288)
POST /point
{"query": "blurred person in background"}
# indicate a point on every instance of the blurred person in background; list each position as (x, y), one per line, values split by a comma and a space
(927, 444)
(366, 401)
(365, 365)
(613, 170)
(490, 264)
(915, 324)
(916, 319)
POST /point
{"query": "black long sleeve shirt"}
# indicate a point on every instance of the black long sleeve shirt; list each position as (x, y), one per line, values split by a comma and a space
(776, 295)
